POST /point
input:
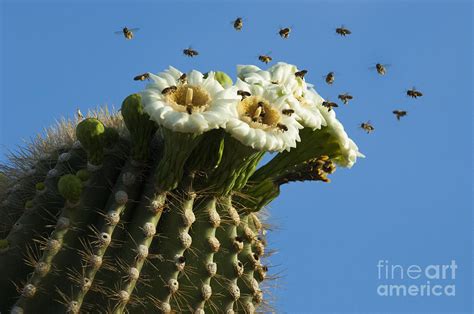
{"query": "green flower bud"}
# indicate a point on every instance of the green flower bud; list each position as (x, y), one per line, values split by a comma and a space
(3, 244)
(70, 187)
(140, 126)
(83, 175)
(90, 132)
(223, 79)
(29, 204)
(40, 186)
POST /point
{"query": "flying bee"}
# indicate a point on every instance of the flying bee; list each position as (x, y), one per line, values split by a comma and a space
(380, 68)
(243, 94)
(301, 73)
(282, 127)
(265, 58)
(127, 32)
(399, 113)
(238, 24)
(413, 93)
(168, 90)
(142, 77)
(329, 105)
(284, 32)
(190, 52)
(288, 112)
(367, 126)
(189, 109)
(345, 98)
(329, 78)
(343, 31)
(183, 78)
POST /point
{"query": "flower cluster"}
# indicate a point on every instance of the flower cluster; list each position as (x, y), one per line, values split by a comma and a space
(264, 109)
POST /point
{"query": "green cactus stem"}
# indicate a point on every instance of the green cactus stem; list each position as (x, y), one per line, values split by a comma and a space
(177, 148)
(34, 221)
(225, 285)
(19, 191)
(248, 285)
(121, 199)
(70, 188)
(202, 244)
(171, 246)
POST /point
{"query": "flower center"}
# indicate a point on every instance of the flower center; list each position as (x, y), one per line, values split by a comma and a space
(258, 113)
(189, 98)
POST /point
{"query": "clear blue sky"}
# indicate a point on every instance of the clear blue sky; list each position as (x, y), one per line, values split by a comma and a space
(408, 202)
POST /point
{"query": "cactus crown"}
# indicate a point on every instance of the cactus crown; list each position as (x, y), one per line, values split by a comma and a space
(182, 164)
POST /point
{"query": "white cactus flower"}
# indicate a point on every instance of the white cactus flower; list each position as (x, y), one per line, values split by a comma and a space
(349, 152)
(257, 120)
(191, 105)
(283, 76)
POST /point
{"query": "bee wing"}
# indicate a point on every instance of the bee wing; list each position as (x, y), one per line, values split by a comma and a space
(134, 29)
(118, 32)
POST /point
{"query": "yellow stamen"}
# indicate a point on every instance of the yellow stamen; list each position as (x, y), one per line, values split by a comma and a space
(189, 96)
(257, 112)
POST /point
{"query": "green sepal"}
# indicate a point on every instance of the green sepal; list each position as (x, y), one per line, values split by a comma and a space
(177, 149)
(237, 163)
(208, 155)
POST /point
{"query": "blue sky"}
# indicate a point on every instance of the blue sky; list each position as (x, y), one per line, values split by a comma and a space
(409, 202)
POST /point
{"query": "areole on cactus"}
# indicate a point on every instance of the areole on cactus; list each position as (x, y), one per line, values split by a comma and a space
(158, 209)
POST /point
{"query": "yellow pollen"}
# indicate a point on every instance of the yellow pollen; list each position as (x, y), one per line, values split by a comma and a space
(189, 98)
(258, 113)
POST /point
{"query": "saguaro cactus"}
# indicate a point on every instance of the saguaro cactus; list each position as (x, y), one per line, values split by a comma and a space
(157, 209)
